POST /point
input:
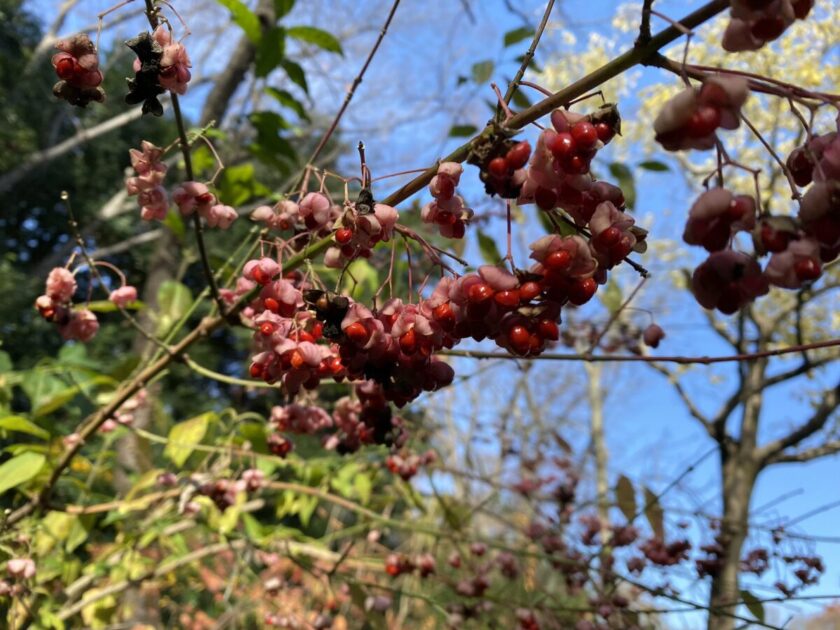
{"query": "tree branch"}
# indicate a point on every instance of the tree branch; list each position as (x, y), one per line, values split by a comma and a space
(816, 422)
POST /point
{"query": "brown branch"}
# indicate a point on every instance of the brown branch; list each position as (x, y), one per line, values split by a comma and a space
(829, 448)
(630, 358)
(529, 55)
(356, 82)
(817, 421)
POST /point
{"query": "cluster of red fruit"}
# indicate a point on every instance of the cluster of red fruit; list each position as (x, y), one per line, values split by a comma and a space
(756, 22)
(77, 67)
(365, 418)
(729, 279)
(691, 118)
(406, 464)
(448, 210)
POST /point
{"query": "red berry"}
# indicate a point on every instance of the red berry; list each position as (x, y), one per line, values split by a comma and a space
(446, 218)
(519, 339)
(548, 329)
(65, 68)
(479, 292)
(205, 198)
(807, 269)
(801, 167)
(576, 165)
(562, 145)
(458, 229)
(774, 240)
(528, 291)
(545, 198)
(507, 299)
(260, 276)
(271, 304)
(256, 370)
(607, 238)
(717, 237)
(581, 291)
(518, 155)
(268, 328)
(444, 316)
(343, 235)
(357, 333)
(703, 122)
(740, 207)
(408, 342)
(585, 134)
(498, 167)
(559, 260)
(605, 132)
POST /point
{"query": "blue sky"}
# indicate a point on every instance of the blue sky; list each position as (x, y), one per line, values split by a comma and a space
(403, 110)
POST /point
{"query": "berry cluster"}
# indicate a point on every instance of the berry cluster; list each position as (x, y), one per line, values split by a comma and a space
(448, 210)
(148, 184)
(361, 226)
(503, 170)
(690, 119)
(190, 197)
(756, 22)
(407, 464)
(716, 216)
(193, 197)
(558, 173)
(77, 67)
(56, 306)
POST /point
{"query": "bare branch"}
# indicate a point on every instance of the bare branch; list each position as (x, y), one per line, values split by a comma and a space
(39, 158)
(829, 448)
(816, 422)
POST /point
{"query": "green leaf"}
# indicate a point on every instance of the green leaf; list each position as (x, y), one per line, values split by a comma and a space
(753, 604)
(244, 17)
(488, 248)
(625, 180)
(22, 425)
(282, 8)
(174, 299)
(296, 73)
(59, 399)
(5, 362)
(482, 71)
(463, 131)
(611, 297)
(654, 165)
(184, 437)
(517, 35)
(625, 497)
(363, 487)
(287, 100)
(239, 185)
(321, 39)
(20, 469)
(654, 514)
(270, 51)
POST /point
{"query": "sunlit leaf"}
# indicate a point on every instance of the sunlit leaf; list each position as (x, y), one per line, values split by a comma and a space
(321, 39)
(20, 469)
(184, 437)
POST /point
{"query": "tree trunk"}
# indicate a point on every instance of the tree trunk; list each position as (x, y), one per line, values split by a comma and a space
(739, 474)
